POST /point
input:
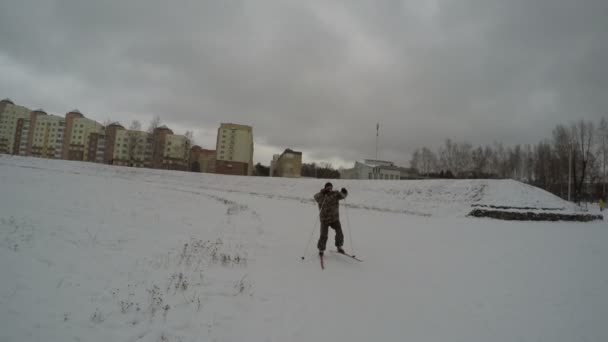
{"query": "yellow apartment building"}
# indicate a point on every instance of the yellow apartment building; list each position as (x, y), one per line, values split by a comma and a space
(10, 116)
(132, 148)
(46, 135)
(234, 149)
(176, 152)
(83, 139)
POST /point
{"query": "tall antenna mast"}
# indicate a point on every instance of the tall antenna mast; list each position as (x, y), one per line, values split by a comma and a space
(569, 170)
(377, 133)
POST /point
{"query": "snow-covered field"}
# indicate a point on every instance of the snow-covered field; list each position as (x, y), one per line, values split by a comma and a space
(97, 253)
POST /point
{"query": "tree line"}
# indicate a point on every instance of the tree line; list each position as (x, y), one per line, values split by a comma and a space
(575, 152)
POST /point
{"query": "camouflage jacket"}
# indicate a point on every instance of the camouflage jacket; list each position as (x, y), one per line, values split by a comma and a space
(329, 206)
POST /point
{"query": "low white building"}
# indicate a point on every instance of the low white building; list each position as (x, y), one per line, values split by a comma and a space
(372, 169)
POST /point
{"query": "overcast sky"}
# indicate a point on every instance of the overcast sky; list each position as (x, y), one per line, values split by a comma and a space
(315, 76)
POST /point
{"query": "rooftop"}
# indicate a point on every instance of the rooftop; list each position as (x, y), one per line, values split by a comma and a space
(115, 123)
(235, 126)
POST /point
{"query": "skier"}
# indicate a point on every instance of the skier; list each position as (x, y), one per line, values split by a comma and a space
(327, 199)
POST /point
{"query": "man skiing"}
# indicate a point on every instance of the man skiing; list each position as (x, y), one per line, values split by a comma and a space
(327, 199)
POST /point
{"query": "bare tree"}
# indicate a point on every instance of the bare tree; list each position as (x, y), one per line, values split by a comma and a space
(447, 155)
(133, 147)
(562, 145)
(416, 161)
(542, 169)
(528, 161)
(188, 144)
(479, 160)
(189, 137)
(514, 162)
(155, 123)
(602, 134)
(463, 162)
(582, 141)
(428, 161)
(135, 125)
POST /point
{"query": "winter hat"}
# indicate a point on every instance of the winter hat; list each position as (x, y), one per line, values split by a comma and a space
(328, 184)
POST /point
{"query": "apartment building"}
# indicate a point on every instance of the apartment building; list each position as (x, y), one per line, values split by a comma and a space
(11, 116)
(70, 117)
(46, 135)
(75, 137)
(169, 151)
(234, 149)
(22, 136)
(202, 160)
(176, 152)
(86, 138)
(159, 142)
(109, 142)
(132, 148)
(288, 164)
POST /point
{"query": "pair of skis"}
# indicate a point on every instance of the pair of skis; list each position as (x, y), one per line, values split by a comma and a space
(345, 254)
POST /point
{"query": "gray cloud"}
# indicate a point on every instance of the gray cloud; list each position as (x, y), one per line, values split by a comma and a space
(316, 75)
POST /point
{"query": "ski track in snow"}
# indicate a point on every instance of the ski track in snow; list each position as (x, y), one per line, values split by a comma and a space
(92, 252)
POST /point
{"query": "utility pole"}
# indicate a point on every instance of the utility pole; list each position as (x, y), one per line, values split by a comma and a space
(569, 170)
(377, 133)
(604, 164)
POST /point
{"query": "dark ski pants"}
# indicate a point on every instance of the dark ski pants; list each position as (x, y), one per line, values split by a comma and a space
(324, 232)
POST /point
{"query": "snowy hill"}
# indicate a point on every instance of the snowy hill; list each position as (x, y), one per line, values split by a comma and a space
(98, 253)
(441, 198)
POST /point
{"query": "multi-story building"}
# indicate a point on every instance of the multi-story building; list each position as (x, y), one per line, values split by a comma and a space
(46, 135)
(160, 150)
(288, 164)
(70, 117)
(372, 169)
(176, 152)
(132, 148)
(202, 160)
(159, 143)
(25, 131)
(169, 151)
(234, 149)
(86, 138)
(22, 136)
(109, 142)
(75, 137)
(10, 117)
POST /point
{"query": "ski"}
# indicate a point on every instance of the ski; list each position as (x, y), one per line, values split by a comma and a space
(322, 264)
(349, 255)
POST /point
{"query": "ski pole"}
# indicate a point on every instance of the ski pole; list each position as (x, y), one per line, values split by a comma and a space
(350, 233)
(312, 233)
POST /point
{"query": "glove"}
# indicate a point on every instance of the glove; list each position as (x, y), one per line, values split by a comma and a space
(344, 191)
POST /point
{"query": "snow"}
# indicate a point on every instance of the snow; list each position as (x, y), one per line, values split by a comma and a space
(94, 253)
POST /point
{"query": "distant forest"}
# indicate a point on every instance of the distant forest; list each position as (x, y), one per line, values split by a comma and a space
(578, 149)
